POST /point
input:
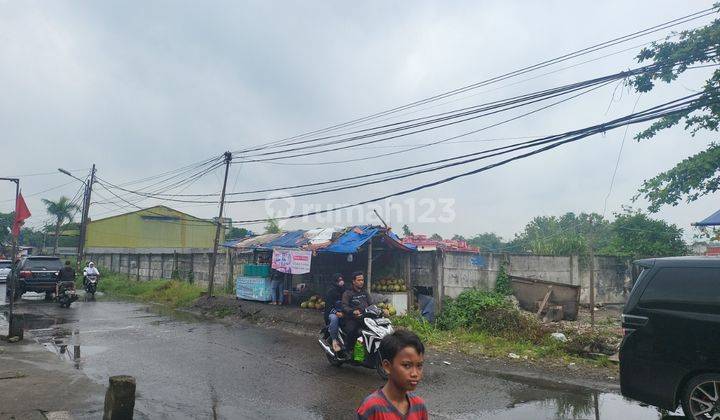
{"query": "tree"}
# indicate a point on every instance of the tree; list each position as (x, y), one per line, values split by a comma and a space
(32, 237)
(6, 221)
(636, 235)
(487, 242)
(236, 233)
(698, 175)
(457, 237)
(436, 237)
(565, 235)
(62, 210)
(406, 230)
(272, 226)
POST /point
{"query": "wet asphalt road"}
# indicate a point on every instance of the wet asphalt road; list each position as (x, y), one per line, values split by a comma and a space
(189, 368)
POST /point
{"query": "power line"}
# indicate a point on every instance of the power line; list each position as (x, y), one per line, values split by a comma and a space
(165, 196)
(542, 140)
(491, 108)
(48, 173)
(472, 113)
(617, 161)
(546, 63)
(678, 106)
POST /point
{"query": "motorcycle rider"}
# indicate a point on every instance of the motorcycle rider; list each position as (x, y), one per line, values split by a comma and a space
(90, 270)
(333, 309)
(67, 273)
(354, 303)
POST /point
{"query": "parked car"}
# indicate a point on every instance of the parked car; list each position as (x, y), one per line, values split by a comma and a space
(670, 352)
(5, 269)
(38, 274)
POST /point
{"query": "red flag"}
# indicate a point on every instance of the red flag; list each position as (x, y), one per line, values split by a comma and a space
(21, 213)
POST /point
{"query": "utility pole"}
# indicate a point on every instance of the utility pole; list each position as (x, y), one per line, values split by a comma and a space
(84, 219)
(228, 159)
(591, 252)
(85, 209)
(12, 279)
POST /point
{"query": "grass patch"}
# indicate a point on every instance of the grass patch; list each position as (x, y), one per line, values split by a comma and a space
(482, 343)
(487, 324)
(172, 293)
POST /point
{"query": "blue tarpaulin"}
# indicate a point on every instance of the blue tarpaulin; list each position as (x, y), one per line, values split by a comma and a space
(231, 243)
(712, 220)
(351, 241)
(292, 239)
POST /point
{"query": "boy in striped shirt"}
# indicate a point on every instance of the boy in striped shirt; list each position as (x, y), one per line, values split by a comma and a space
(402, 355)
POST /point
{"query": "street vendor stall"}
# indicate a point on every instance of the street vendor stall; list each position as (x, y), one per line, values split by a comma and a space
(311, 258)
(378, 252)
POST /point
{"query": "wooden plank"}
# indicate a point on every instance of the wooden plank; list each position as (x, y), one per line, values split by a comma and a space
(545, 300)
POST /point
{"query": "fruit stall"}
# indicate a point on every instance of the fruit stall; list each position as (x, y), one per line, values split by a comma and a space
(374, 250)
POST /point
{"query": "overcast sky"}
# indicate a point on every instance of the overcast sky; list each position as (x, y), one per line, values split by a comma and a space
(140, 88)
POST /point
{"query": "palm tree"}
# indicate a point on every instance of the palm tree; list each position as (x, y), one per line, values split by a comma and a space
(62, 210)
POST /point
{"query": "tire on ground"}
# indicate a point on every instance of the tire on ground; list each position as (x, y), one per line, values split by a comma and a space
(691, 384)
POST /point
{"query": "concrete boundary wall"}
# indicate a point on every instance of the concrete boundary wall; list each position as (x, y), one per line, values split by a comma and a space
(189, 265)
(448, 273)
(455, 272)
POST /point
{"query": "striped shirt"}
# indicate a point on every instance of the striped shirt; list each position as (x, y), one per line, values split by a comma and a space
(377, 407)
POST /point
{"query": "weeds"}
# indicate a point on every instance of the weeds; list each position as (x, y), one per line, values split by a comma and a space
(169, 292)
(486, 323)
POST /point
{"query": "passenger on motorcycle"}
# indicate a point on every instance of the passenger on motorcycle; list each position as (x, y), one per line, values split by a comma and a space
(354, 303)
(333, 309)
(90, 270)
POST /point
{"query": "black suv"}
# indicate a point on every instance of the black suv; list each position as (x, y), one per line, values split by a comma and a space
(37, 274)
(670, 351)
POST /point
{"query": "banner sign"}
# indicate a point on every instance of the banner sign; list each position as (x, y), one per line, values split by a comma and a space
(291, 261)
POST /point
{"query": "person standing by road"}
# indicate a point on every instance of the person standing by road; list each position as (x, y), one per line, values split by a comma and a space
(276, 288)
(402, 355)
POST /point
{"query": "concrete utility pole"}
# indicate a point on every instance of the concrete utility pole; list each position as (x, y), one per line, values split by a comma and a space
(211, 280)
(591, 251)
(12, 279)
(84, 220)
(85, 209)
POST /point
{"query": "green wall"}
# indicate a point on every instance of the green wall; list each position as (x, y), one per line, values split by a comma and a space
(156, 227)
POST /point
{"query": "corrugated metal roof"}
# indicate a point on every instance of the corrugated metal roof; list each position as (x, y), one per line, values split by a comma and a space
(256, 241)
(292, 239)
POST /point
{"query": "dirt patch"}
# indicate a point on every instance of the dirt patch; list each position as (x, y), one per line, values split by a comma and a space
(229, 308)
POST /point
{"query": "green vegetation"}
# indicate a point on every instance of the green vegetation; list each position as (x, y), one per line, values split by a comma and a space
(168, 292)
(698, 175)
(502, 284)
(272, 226)
(62, 209)
(486, 323)
(631, 234)
(636, 235)
(487, 242)
(488, 312)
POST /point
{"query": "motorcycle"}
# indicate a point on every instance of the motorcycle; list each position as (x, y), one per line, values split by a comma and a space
(374, 326)
(91, 284)
(65, 293)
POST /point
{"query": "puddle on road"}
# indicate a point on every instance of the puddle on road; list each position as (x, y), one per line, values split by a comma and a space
(575, 407)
